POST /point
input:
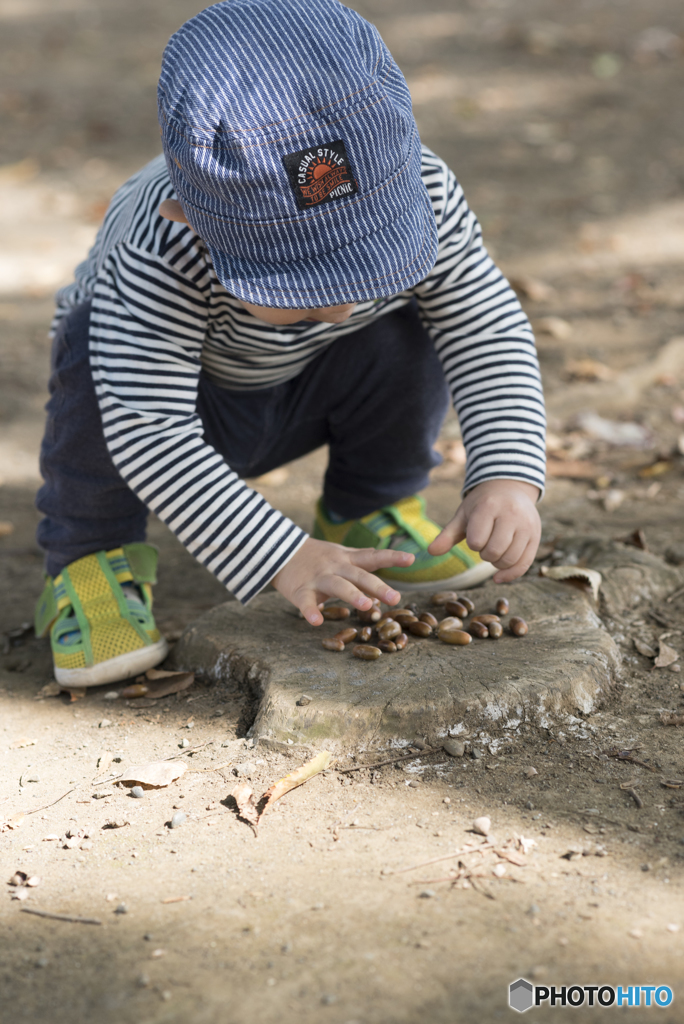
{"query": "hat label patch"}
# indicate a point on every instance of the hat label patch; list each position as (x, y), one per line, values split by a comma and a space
(320, 174)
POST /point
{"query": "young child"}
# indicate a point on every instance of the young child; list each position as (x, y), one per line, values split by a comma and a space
(294, 270)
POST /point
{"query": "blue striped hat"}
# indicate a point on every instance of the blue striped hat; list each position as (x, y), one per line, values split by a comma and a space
(291, 144)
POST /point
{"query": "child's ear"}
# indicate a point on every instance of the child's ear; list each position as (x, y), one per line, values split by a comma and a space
(171, 209)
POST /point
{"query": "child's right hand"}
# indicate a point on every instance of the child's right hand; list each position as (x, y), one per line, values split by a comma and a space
(320, 570)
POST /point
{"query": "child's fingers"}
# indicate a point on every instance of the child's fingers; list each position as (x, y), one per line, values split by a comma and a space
(343, 589)
(453, 532)
(373, 585)
(371, 559)
(521, 566)
(504, 546)
(307, 602)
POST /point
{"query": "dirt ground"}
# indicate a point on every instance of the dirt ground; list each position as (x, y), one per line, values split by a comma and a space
(564, 124)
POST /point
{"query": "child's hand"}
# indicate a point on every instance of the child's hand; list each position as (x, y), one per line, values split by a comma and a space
(499, 519)
(320, 570)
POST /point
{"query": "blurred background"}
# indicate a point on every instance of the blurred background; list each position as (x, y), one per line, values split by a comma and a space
(564, 123)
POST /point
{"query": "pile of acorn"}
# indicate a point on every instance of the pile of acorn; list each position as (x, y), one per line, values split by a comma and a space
(392, 627)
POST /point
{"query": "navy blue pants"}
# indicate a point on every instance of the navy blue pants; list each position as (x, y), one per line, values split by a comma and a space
(377, 397)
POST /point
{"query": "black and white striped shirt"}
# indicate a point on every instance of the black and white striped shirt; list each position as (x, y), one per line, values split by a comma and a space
(160, 315)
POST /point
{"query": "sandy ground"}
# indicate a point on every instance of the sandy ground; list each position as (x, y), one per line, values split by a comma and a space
(564, 125)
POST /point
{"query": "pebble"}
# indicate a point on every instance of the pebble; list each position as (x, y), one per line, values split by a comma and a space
(499, 870)
(303, 701)
(142, 980)
(138, 792)
(482, 826)
(247, 768)
(446, 800)
(455, 748)
(185, 742)
(328, 999)
(104, 723)
(477, 753)
(427, 894)
(179, 818)
(673, 927)
(42, 961)
(531, 772)
(112, 695)
(414, 783)
(121, 909)
(87, 844)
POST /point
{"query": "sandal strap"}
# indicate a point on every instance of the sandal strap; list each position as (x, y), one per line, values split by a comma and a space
(131, 563)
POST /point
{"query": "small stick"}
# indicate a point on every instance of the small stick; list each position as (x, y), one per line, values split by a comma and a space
(635, 797)
(627, 755)
(673, 597)
(446, 856)
(60, 917)
(176, 899)
(188, 750)
(391, 760)
(218, 767)
(35, 811)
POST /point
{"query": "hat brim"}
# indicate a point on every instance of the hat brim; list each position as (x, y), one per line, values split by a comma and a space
(387, 262)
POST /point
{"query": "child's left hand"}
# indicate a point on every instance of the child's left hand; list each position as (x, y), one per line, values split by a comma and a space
(499, 519)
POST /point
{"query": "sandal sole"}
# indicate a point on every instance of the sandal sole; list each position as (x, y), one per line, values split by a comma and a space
(115, 670)
(461, 581)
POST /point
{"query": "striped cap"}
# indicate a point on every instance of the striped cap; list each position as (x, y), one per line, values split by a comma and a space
(291, 144)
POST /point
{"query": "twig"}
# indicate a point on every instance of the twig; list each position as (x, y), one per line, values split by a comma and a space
(35, 810)
(446, 856)
(635, 797)
(391, 760)
(102, 782)
(188, 750)
(481, 888)
(59, 917)
(673, 597)
(627, 755)
(218, 767)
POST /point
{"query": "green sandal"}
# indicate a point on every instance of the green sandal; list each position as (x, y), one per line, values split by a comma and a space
(404, 526)
(98, 612)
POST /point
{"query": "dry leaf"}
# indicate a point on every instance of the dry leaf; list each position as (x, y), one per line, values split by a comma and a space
(52, 689)
(162, 684)
(247, 809)
(672, 719)
(587, 578)
(512, 856)
(532, 288)
(157, 773)
(667, 656)
(75, 693)
(588, 369)
(296, 778)
(21, 743)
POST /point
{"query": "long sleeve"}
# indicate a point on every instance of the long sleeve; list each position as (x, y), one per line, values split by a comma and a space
(148, 323)
(485, 343)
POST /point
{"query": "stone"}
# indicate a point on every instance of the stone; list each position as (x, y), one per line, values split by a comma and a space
(138, 792)
(565, 666)
(482, 825)
(178, 819)
(455, 748)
